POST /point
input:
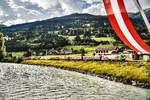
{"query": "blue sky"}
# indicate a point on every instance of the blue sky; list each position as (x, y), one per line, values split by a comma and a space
(22, 11)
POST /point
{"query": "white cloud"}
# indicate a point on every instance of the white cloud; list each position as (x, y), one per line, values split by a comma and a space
(131, 7)
(1, 13)
(34, 12)
(18, 15)
(19, 11)
(95, 9)
(17, 21)
(71, 6)
(92, 1)
(45, 4)
(13, 5)
(145, 4)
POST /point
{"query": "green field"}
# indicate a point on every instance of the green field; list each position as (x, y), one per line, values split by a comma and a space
(78, 47)
(99, 39)
(88, 49)
(111, 39)
(17, 53)
(147, 41)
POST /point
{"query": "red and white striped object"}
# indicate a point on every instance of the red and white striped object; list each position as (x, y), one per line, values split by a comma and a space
(123, 27)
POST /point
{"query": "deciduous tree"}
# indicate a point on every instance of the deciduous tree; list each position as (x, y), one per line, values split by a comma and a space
(2, 46)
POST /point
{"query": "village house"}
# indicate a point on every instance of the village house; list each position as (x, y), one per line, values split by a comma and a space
(128, 53)
(106, 50)
(33, 53)
(146, 57)
(37, 53)
(53, 52)
(131, 54)
(66, 51)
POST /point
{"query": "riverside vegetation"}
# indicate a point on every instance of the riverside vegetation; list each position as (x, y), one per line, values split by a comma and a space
(135, 73)
(2, 46)
(4, 57)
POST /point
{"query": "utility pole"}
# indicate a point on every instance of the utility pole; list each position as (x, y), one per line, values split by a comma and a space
(143, 15)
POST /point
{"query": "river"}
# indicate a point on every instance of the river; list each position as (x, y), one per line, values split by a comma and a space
(31, 82)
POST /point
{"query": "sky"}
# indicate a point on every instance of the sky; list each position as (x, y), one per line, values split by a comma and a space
(22, 11)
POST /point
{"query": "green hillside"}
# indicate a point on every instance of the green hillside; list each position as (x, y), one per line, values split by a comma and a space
(75, 29)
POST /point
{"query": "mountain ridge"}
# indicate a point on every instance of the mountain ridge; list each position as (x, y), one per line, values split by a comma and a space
(3, 26)
(64, 20)
(72, 17)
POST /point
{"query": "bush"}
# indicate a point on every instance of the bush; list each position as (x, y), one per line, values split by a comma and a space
(12, 59)
(148, 60)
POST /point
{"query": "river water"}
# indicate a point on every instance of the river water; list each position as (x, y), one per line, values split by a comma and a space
(30, 82)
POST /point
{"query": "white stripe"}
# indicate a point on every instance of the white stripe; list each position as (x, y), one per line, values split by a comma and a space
(123, 27)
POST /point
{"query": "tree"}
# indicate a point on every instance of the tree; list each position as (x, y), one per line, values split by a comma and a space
(2, 46)
(77, 40)
(82, 53)
(87, 34)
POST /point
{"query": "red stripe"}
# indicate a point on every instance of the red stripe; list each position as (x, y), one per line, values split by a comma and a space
(115, 25)
(130, 26)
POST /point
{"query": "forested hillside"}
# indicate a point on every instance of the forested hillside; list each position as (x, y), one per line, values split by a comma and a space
(52, 33)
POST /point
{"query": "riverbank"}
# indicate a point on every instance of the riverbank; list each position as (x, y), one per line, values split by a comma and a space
(133, 73)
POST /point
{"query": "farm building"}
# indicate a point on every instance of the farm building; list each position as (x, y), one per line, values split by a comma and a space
(112, 51)
(53, 52)
(66, 51)
(106, 50)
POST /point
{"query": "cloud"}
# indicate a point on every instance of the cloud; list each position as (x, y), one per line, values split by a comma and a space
(45, 4)
(37, 9)
(131, 7)
(97, 9)
(17, 21)
(145, 4)
(71, 6)
(20, 11)
(1, 13)
(92, 1)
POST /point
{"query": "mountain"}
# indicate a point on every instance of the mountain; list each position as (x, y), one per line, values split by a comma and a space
(48, 32)
(138, 16)
(71, 21)
(3, 26)
(148, 13)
